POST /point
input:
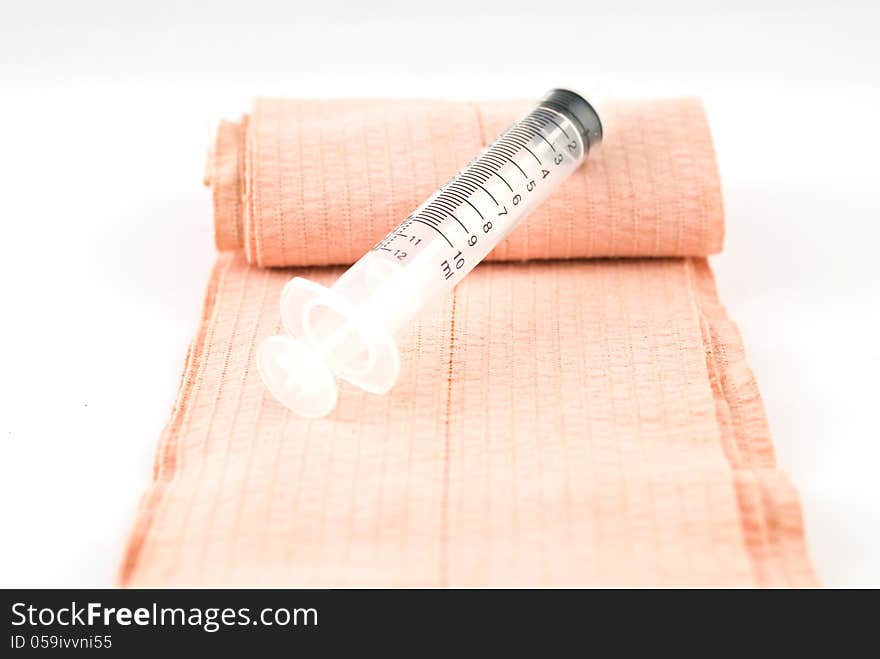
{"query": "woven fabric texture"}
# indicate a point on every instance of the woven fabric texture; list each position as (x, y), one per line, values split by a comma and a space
(564, 422)
(318, 183)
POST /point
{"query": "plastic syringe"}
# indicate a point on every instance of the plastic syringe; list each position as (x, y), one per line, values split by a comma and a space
(347, 330)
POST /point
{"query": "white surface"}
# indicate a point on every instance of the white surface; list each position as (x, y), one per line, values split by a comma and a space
(104, 111)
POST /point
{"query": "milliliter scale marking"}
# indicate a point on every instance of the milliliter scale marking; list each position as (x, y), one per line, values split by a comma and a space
(476, 203)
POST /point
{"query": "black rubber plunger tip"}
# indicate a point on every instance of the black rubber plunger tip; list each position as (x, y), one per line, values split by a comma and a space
(579, 110)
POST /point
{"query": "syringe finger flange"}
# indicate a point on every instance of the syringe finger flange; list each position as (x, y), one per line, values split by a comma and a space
(353, 346)
(296, 376)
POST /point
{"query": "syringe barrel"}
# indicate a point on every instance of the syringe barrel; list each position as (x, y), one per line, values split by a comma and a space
(456, 228)
(346, 331)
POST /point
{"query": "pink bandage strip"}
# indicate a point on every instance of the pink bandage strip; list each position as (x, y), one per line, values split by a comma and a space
(557, 422)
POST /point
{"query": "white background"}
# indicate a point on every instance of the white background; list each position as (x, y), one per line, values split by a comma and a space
(107, 232)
